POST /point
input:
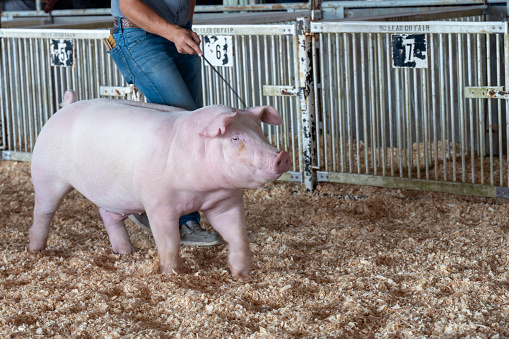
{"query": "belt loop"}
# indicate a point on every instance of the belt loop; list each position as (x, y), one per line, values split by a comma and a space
(119, 23)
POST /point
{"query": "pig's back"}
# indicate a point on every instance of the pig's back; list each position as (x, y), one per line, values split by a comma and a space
(95, 145)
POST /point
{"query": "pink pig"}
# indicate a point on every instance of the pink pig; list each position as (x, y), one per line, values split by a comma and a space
(129, 157)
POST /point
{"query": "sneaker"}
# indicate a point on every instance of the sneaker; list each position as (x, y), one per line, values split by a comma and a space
(191, 233)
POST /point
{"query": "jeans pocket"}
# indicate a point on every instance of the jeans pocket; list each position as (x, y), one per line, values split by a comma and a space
(119, 58)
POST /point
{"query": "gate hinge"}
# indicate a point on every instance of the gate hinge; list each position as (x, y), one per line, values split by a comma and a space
(502, 192)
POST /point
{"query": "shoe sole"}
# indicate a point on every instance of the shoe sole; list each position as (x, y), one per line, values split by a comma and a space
(204, 244)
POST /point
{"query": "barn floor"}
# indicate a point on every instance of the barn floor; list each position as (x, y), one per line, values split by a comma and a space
(343, 261)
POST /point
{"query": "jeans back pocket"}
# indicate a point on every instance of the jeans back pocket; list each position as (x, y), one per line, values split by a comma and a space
(119, 58)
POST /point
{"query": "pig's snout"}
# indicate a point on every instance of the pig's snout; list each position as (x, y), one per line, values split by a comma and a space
(282, 163)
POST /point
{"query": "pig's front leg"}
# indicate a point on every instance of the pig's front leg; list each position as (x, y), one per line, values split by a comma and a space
(165, 229)
(231, 224)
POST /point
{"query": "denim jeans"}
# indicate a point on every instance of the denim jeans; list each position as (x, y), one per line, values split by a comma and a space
(152, 64)
(164, 76)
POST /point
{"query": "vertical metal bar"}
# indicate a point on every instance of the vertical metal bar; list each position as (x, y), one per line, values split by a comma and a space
(490, 109)
(499, 110)
(506, 69)
(31, 113)
(453, 120)
(5, 104)
(426, 123)
(356, 101)
(482, 125)
(399, 117)
(435, 113)
(461, 100)
(374, 125)
(390, 104)
(381, 86)
(245, 90)
(306, 86)
(408, 115)
(97, 63)
(50, 82)
(443, 122)
(297, 165)
(289, 140)
(348, 112)
(24, 72)
(341, 89)
(470, 72)
(12, 86)
(332, 51)
(364, 112)
(321, 144)
(417, 125)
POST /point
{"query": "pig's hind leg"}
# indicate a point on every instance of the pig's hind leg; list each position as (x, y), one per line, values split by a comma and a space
(119, 237)
(49, 193)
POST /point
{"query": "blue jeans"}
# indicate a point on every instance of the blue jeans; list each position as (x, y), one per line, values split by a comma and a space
(163, 75)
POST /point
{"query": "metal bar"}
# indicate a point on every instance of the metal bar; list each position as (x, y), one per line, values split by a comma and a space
(506, 81)
(461, 100)
(381, 87)
(364, 112)
(482, 127)
(390, 105)
(490, 109)
(412, 27)
(356, 95)
(414, 184)
(307, 102)
(341, 104)
(348, 111)
(499, 110)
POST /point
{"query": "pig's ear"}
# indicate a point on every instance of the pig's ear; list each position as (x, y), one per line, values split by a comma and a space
(218, 125)
(266, 114)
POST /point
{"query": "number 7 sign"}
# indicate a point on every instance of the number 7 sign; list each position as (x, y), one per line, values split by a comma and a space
(409, 51)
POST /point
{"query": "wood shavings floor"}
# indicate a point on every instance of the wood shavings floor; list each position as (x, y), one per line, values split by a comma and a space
(343, 261)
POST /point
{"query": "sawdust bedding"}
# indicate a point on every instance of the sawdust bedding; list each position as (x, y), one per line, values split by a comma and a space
(343, 261)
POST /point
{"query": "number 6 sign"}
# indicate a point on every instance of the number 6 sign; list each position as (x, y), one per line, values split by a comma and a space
(218, 50)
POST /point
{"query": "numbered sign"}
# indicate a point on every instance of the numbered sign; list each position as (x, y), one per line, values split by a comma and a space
(218, 50)
(409, 51)
(62, 52)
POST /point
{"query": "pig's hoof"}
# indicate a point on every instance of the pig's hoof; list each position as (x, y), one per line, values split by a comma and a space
(240, 273)
(124, 250)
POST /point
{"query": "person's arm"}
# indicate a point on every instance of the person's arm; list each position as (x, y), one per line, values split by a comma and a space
(186, 41)
(192, 3)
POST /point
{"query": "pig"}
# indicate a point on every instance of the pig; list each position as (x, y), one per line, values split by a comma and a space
(129, 157)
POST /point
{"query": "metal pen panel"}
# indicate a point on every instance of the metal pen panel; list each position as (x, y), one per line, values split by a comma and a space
(413, 123)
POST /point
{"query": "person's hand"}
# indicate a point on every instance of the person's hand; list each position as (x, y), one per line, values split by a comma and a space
(186, 41)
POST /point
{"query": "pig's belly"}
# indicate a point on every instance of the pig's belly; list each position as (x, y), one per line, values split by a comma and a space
(112, 198)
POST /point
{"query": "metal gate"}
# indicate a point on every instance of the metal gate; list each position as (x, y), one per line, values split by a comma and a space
(419, 125)
(353, 111)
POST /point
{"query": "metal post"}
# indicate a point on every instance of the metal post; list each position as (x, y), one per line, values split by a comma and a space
(307, 107)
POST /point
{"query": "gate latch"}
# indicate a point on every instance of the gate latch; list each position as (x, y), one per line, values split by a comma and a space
(486, 93)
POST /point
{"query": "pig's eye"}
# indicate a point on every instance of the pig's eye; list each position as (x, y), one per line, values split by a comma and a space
(235, 138)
